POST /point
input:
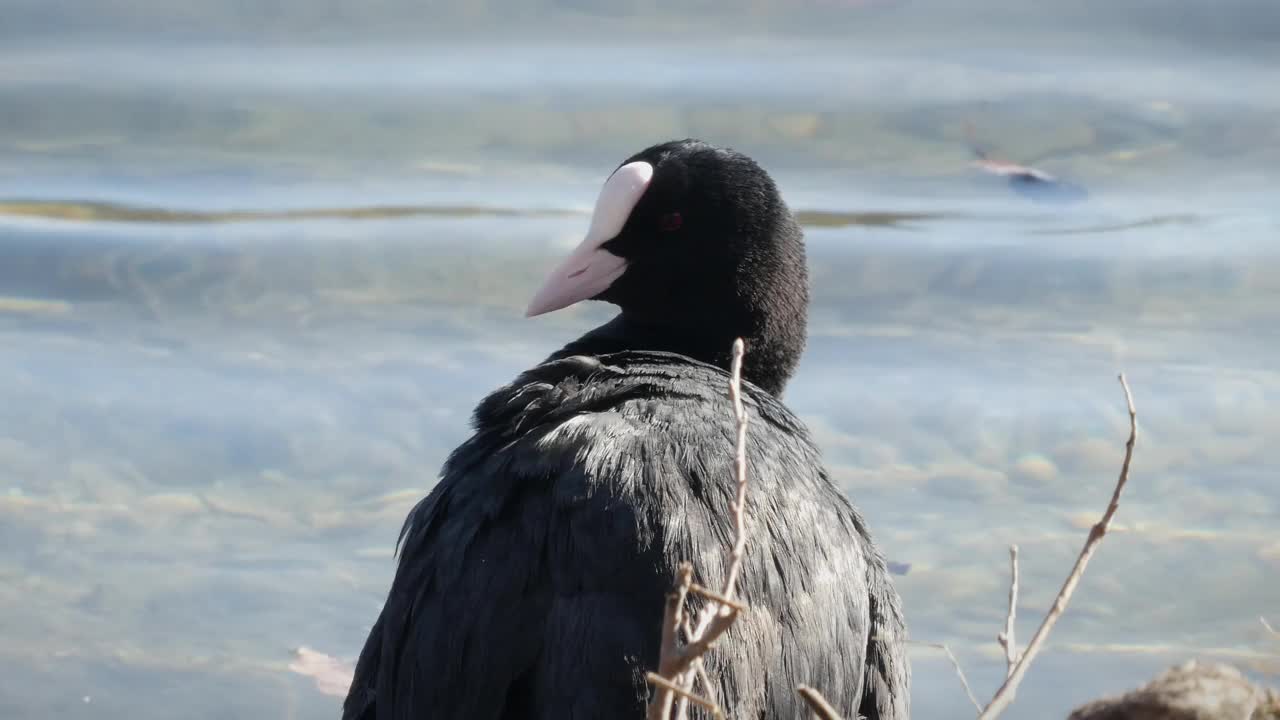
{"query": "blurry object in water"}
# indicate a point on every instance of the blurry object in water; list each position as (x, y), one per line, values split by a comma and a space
(898, 568)
(331, 675)
(1029, 182)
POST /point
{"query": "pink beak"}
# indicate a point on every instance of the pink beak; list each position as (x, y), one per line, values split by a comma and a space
(590, 270)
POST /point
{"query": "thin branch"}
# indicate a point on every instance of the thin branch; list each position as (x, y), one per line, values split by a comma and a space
(699, 671)
(715, 618)
(680, 665)
(712, 609)
(968, 690)
(708, 690)
(740, 470)
(817, 703)
(719, 625)
(670, 653)
(1006, 638)
(682, 659)
(671, 687)
(1009, 689)
(697, 589)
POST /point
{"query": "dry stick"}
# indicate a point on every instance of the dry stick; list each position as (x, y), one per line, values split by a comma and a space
(1017, 664)
(717, 616)
(827, 712)
(707, 691)
(676, 689)
(712, 595)
(1006, 693)
(740, 470)
(1006, 638)
(698, 645)
(699, 668)
(817, 703)
(968, 690)
(670, 655)
(678, 666)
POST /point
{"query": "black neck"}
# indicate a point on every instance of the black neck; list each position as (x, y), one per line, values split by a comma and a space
(768, 362)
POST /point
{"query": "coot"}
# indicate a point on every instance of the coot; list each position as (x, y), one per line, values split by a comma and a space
(531, 580)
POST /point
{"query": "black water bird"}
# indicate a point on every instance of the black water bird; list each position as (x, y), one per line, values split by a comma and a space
(531, 579)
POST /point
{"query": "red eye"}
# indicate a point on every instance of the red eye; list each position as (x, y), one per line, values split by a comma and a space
(670, 222)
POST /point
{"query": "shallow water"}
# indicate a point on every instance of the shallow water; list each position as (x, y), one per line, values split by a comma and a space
(250, 290)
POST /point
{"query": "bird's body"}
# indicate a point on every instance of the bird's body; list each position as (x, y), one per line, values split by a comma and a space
(532, 578)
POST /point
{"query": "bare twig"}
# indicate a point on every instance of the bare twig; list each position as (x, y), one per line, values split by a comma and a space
(716, 617)
(1007, 639)
(699, 645)
(740, 470)
(1009, 689)
(713, 609)
(680, 665)
(700, 669)
(670, 654)
(817, 703)
(968, 690)
(1267, 625)
(671, 687)
(697, 589)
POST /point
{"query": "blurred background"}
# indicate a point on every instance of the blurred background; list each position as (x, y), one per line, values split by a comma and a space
(258, 261)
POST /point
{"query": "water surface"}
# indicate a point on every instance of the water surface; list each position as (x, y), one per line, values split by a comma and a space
(251, 289)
